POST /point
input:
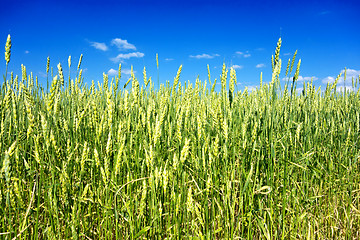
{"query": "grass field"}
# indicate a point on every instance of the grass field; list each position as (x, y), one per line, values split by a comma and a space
(184, 161)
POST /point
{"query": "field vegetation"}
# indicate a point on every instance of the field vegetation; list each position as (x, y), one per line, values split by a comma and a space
(127, 161)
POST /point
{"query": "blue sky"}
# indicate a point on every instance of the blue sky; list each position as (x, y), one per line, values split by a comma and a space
(194, 33)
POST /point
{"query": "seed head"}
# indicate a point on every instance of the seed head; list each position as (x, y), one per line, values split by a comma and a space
(232, 79)
(293, 61)
(61, 75)
(144, 74)
(81, 56)
(69, 61)
(8, 49)
(47, 64)
(296, 76)
(277, 52)
(157, 61)
(209, 76)
(223, 77)
(119, 71)
(185, 151)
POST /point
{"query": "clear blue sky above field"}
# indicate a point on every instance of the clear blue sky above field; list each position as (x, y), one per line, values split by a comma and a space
(194, 33)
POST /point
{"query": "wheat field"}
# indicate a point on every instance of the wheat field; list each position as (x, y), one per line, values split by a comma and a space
(128, 161)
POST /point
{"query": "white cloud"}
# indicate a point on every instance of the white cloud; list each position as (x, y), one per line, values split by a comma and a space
(328, 79)
(27, 52)
(347, 88)
(244, 54)
(112, 72)
(237, 66)
(42, 74)
(204, 56)
(169, 59)
(99, 46)
(301, 79)
(287, 54)
(122, 56)
(127, 71)
(251, 88)
(122, 44)
(350, 73)
(299, 90)
(260, 65)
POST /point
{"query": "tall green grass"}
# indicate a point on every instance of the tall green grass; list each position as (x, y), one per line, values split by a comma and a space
(108, 161)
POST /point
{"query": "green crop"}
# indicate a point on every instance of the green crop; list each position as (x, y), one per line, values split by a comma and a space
(104, 162)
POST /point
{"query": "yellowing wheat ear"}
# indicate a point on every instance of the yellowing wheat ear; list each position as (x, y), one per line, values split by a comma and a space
(8, 49)
(157, 61)
(209, 76)
(69, 61)
(292, 62)
(61, 75)
(274, 61)
(155, 161)
(296, 76)
(7, 53)
(47, 65)
(80, 60)
(223, 77)
(144, 75)
(176, 80)
(232, 80)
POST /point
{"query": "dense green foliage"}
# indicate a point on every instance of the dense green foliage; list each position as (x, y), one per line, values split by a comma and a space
(106, 162)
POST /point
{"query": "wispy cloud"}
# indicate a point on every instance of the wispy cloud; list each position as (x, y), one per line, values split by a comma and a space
(169, 59)
(42, 74)
(237, 66)
(120, 57)
(260, 65)
(302, 79)
(350, 73)
(99, 46)
(299, 90)
(328, 79)
(27, 52)
(251, 88)
(199, 56)
(112, 72)
(287, 54)
(347, 89)
(243, 54)
(204, 56)
(127, 71)
(122, 44)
